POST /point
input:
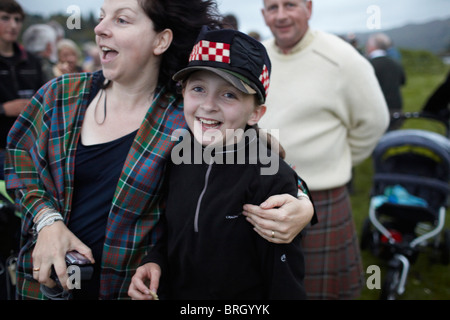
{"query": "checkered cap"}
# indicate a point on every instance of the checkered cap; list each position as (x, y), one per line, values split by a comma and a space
(233, 55)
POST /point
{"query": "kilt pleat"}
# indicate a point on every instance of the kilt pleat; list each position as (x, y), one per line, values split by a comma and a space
(332, 256)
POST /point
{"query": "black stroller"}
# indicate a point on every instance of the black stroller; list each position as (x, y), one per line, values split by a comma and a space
(9, 244)
(408, 204)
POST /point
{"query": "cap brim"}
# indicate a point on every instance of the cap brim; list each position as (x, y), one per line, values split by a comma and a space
(235, 81)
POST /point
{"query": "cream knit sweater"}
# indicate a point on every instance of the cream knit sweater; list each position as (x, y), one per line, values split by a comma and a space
(327, 103)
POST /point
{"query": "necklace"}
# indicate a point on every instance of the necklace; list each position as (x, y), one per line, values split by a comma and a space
(104, 108)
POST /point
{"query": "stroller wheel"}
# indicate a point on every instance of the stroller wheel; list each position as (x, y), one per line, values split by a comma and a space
(395, 279)
(391, 284)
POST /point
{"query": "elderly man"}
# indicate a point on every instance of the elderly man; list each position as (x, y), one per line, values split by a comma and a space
(330, 110)
(389, 72)
(40, 39)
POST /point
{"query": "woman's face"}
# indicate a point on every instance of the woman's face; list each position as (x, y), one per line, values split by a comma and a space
(70, 57)
(127, 41)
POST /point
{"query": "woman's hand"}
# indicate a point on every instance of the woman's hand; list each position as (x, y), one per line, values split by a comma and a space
(138, 290)
(53, 242)
(280, 218)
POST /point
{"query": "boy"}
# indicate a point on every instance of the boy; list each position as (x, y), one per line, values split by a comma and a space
(209, 250)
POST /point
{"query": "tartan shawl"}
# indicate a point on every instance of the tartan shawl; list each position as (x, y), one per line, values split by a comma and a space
(40, 171)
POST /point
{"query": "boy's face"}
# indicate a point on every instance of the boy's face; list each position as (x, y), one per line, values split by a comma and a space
(10, 26)
(214, 109)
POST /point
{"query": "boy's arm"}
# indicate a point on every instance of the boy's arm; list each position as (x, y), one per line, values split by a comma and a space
(285, 266)
(288, 272)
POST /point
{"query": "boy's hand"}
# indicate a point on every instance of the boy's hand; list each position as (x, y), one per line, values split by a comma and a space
(138, 290)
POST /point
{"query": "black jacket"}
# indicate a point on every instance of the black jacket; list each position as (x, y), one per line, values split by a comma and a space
(210, 251)
(20, 77)
(391, 77)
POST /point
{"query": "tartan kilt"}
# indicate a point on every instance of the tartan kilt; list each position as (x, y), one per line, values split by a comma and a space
(332, 256)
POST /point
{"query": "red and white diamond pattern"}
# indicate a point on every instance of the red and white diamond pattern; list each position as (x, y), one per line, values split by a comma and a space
(220, 52)
(265, 79)
(211, 51)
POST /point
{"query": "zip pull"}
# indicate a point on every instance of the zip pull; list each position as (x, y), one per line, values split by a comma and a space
(197, 210)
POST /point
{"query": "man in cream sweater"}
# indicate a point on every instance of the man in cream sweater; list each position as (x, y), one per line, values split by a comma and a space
(326, 101)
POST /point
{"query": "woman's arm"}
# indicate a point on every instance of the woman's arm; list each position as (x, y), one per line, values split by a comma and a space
(35, 175)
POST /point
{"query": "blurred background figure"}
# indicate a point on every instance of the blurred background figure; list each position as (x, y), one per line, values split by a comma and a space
(353, 40)
(389, 72)
(439, 102)
(60, 33)
(230, 22)
(393, 52)
(91, 57)
(255, 34)
(20, 71)
(40, 39)
(69, 56)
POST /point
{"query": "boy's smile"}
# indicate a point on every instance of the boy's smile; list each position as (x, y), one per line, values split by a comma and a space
(214, 108)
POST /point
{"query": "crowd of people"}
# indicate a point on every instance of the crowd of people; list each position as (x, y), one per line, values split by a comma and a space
(88, 158)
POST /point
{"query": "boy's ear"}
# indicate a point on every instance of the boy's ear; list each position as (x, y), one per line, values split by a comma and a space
(257, 114)
(163, 41)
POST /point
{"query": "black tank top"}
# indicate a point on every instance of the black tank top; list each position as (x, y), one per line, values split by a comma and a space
(97, 172)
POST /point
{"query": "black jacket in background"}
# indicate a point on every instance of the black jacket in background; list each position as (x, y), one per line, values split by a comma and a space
(391, 76)
(20, 77)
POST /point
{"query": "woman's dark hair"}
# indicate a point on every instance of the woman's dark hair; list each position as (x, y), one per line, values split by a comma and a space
(185, 18)
(11, 6)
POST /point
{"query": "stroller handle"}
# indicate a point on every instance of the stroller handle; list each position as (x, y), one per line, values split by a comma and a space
(421, 115)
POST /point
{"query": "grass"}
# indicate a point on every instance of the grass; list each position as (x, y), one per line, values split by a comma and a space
(427, 280)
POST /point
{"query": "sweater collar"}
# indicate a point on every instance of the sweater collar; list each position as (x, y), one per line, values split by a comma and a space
(301, 45)
(377, 53)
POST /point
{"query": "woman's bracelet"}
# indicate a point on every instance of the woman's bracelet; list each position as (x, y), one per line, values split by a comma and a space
(47, 218)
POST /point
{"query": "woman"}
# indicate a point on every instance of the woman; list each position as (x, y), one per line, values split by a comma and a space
(69, 56)
(87, 156)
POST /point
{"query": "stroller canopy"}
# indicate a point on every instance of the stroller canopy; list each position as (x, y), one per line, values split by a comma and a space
(417, 160)
(416, 152)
